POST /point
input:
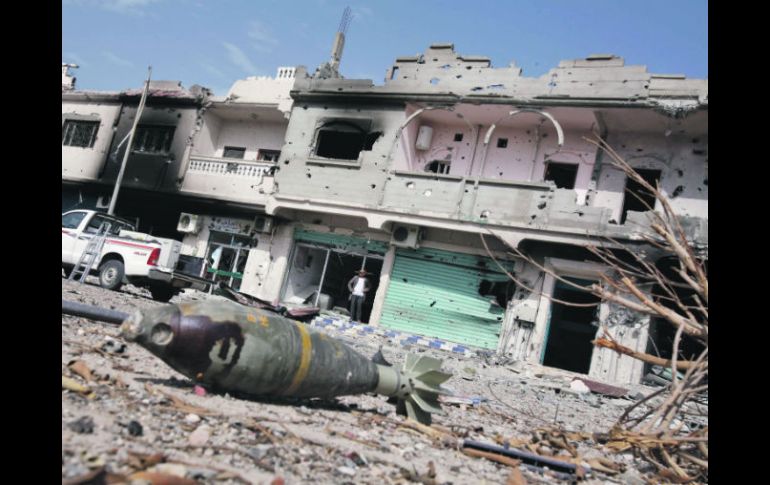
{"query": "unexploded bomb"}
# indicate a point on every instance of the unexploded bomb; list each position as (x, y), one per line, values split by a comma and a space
(232, 347)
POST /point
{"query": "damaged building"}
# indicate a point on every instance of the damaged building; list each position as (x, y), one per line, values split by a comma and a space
(299, 181)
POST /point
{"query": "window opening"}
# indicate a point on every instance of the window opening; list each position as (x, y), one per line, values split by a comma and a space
(502, 142)
(458, 137)
(636, 197)
(234, 152)
(437, 166)
(344, 140)
(268, 155)
(153, 138)
(562, 174)
(76, 133)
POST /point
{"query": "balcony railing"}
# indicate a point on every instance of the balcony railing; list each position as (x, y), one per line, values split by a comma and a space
(228, 167)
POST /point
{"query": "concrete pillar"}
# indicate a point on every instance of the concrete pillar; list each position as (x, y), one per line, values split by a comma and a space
(382, 290)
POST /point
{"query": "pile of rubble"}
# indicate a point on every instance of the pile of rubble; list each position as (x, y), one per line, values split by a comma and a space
(129, 418)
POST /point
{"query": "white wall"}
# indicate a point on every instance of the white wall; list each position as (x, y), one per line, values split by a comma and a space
(85, 163)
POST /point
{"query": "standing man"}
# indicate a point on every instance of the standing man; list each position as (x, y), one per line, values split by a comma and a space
(358, 287)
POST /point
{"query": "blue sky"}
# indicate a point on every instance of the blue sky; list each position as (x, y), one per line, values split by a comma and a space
(215, 42)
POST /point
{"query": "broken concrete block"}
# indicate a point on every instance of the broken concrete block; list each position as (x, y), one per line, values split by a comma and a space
(579, 386)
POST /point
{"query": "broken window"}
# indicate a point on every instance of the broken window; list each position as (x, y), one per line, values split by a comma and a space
(438, 166)
(234, 152)
(562, 174)
(226, 257)
(636, 197)
(345, 140)
(76, 133)
(153, 138)
(570, 328)
(268, 155)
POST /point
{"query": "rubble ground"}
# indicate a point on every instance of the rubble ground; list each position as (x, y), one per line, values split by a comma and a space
(126, 413)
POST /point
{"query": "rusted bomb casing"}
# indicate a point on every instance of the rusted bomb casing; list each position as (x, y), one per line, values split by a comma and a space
(237, 348)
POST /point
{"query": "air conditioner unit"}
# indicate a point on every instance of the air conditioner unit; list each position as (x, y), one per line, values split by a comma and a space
(103, 202)
(188, 223)
(424, 138)
(263, 224)
(405, 236)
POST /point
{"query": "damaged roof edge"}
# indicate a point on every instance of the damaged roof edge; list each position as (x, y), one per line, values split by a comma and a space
(444, 98)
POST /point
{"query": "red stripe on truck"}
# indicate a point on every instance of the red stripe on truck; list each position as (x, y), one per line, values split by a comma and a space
(113, 241)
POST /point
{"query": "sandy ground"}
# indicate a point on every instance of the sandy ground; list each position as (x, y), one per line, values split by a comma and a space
(138, 406)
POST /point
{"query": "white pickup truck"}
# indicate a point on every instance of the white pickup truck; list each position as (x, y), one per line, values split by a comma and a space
(127, 255)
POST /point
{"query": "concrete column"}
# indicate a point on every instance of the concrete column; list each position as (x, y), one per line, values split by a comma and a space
(382, 290)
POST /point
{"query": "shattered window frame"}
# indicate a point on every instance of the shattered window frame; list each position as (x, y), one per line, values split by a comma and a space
(153, 139)
(442, 167)
(79, 133)
(357, 126)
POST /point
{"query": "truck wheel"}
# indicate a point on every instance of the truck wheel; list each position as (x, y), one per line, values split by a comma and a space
(111, 274)
(162, 293)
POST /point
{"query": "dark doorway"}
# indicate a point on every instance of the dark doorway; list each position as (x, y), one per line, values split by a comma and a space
(570, 331)
(562, 174)
(637, 198)
(343, 267)
(331, 270)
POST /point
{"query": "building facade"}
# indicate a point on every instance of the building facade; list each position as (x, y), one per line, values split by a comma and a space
(428, 181)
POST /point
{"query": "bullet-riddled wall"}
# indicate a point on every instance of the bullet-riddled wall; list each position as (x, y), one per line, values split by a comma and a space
(153, 170)
(85, 163)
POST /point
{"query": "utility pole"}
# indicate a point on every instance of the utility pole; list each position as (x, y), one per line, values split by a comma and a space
(114, 198)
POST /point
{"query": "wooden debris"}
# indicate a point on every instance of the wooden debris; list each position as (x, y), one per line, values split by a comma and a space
(73, 385)
(505, 460)
(80, 368)
(180, 404)
(156, 478)
(516, 478)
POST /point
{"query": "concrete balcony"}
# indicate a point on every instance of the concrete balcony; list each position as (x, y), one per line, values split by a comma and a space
(228, 179)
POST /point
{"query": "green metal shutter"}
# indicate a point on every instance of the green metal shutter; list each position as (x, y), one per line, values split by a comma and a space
(436, 294)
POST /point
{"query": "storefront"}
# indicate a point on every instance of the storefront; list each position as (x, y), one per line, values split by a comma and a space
(322, 264)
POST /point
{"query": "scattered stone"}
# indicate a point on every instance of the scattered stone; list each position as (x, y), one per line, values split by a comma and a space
(84, 425)
(579, 386)
(258, 452)
(345, 470)
(200, 436)
(135, 428)
(192, 418)
(113, 346)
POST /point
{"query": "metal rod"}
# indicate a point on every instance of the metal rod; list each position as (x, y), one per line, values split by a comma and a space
(92, 312)
(119, 179)
(526, 457)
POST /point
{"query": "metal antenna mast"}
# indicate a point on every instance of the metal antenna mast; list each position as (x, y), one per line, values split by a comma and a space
(339, 38)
